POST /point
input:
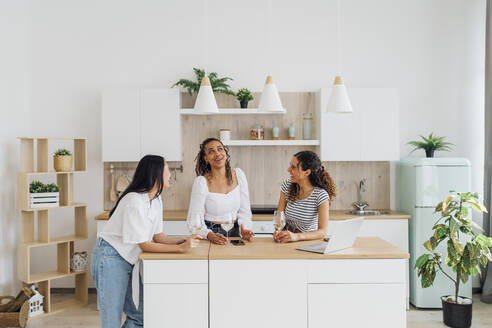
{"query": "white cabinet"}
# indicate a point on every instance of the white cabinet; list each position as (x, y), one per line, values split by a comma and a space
(356, 305)
(258, 293)
(120, 130)
(369, 133)
(137, 122)
(173, 288)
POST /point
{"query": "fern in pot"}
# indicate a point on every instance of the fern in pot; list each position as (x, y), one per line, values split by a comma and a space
(466, 250)
(431, 144)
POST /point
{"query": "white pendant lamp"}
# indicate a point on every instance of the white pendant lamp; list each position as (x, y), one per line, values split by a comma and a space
(339, 101)
(270, 99)
(205, 101)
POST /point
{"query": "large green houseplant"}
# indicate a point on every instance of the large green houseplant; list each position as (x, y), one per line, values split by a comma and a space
(466, 250)
(219, 85)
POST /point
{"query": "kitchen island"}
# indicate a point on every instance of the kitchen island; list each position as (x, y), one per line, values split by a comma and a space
(266, 284)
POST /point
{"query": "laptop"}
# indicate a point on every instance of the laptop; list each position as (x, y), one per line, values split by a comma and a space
(343, 237)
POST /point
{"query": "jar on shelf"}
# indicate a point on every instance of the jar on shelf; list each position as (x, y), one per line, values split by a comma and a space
(307, 126)
(225, 134)
(257, 133)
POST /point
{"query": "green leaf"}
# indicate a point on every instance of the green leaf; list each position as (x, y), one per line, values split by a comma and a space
(428, 246)
(422, 260)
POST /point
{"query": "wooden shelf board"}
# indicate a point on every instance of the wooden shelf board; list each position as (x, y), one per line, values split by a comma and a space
(52, 172)
(65, 305)
(232, 111)
(50, 208)
(271, 142)
(53, 138)
(53, 241)
(50, 275)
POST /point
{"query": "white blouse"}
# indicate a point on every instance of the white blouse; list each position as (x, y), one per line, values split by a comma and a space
(217, 207)
(135, 220)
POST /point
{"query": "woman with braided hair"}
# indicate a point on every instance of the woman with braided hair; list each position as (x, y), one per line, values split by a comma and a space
(219, 194)
(305, 198)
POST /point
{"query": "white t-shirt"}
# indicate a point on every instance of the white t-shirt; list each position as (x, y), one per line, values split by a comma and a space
(135, 220)
(217, 207)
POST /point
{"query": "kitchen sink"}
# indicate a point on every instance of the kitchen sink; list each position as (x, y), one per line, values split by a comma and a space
(369, 212)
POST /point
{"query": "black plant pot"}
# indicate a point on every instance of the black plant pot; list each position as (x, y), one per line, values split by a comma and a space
(244, 104)
(429, 152)
(456, 315)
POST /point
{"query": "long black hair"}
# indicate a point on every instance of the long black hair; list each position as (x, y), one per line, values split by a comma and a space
(318, 177)
(148, 173)
(202, 167)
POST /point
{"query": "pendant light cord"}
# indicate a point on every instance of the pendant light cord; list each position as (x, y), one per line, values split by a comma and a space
(269, 35)
(205, 35)
(339, 36)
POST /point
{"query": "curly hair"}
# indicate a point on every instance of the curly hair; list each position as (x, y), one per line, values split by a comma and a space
(318, 177)
(202, 167)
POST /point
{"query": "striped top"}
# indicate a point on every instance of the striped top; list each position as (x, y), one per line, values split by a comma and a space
(303, 214)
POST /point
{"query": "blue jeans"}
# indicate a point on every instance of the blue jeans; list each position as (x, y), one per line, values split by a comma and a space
(113, 277)
(234, 232)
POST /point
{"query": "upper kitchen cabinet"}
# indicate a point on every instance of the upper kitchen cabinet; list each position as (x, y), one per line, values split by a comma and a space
(137, 122)
(369, 133)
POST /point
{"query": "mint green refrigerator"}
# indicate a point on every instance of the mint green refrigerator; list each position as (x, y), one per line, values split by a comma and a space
(421, 183)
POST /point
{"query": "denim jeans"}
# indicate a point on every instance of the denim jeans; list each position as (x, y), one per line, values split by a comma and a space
(113, 277)
(234, 232)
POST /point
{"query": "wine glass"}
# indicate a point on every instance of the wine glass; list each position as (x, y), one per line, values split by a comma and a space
(227, 225)
(278, 220)
(194, 226)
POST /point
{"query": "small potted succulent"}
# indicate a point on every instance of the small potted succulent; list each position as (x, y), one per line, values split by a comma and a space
(62, 160)
(244, 95)
(466, 251)
(43, 195)
(431, 144)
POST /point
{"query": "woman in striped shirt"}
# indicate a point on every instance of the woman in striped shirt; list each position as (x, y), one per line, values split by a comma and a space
(305, 198)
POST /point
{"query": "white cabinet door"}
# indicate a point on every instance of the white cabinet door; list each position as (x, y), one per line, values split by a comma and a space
(379, 121)
(120, 125)
(176, 305)
(369, 133)
(356, 305)
(258, 293)
(161, 123)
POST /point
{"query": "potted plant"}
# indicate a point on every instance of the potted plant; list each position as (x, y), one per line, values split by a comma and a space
(218, 85)
(43, 195)
(466, 251)
(431, 144)
(244, 95)
(62, 160)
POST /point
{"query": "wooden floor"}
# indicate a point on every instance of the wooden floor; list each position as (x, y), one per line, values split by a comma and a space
(89, 317)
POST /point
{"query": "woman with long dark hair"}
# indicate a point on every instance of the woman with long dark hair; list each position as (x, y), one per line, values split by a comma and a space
(135, 225)
(219, 195)
(305, 197)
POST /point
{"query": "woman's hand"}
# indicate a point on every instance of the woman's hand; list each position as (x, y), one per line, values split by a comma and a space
(179, 241)
(190, 243)
(285, 236)
(217, 238)
(247, 234)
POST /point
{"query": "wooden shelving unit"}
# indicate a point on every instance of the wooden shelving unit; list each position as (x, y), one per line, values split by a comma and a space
(65, 244)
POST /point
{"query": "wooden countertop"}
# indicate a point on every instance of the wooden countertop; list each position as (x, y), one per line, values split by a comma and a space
(198, 253)
(180, 215)
(266, 248)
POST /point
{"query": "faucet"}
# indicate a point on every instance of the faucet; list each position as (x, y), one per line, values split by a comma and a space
(361, 204)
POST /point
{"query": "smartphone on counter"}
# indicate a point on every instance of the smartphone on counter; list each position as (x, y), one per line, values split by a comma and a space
(237, 242)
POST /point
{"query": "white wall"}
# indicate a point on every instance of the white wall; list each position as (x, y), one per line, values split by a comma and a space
(14, 122)
(432, 51)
